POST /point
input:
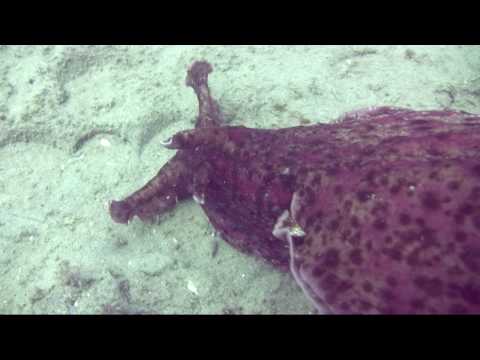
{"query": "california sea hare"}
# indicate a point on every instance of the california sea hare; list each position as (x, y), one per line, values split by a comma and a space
(378, 212)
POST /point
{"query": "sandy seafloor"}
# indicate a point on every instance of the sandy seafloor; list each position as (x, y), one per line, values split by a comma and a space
(81, 125)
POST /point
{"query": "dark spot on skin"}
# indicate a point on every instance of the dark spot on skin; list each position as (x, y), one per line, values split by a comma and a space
(309, 196)
(476, 170)
(395, 189)
(459, 219)
(314, 220)
(430, 285)
(380, 224)
(345, 307)
(356, 256)
(330, 282)
(455, 271)
(334, 224)
(471, 294)
(371, 177)
(302, 171)
(387, 295)
(344, 286)
(368, 245)
(298, 240)
(392, 150)
(430, 201)
(310, 221)
(420, 222)
(308, 240)
(347, 205)
(404, 219)
(433, 175)
(417, 304)
(346, 234)
(332, 170)
(432, 310)
(287, 181)
(451, 247)
(454, 291)
(379, 209)
(457, 309)
(388, 239)
(387, 310)
(475, 194)
(393, 253)
(363, 196)
(476, 222)
(446, 199)
(392, 281)
(338, 189)
(318, 271)
(367, 286)
(423, 128)
(317, 180)
(354, 221)
(471, 258)
(369, 149)
(427, 236)
(364, 305)
(466, 209)
(317, 228)
(436, 163)
(421, 122)
(318, 216)
(355, 239)
(409, 236)
(433, 151)
(330, 258)
(412, 258)
(443, 136)
(453, 185)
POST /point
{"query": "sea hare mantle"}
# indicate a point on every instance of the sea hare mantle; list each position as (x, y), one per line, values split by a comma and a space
(378, 212)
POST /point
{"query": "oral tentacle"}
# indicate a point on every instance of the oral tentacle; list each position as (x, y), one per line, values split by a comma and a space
(171, 184)
(209, 114)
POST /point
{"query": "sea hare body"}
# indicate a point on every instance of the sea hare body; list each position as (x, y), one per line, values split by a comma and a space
(378, 212)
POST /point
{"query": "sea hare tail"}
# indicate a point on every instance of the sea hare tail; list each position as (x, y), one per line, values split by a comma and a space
(209, 111)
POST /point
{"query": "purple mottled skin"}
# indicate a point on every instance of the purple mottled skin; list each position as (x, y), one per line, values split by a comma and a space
(376, 213)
